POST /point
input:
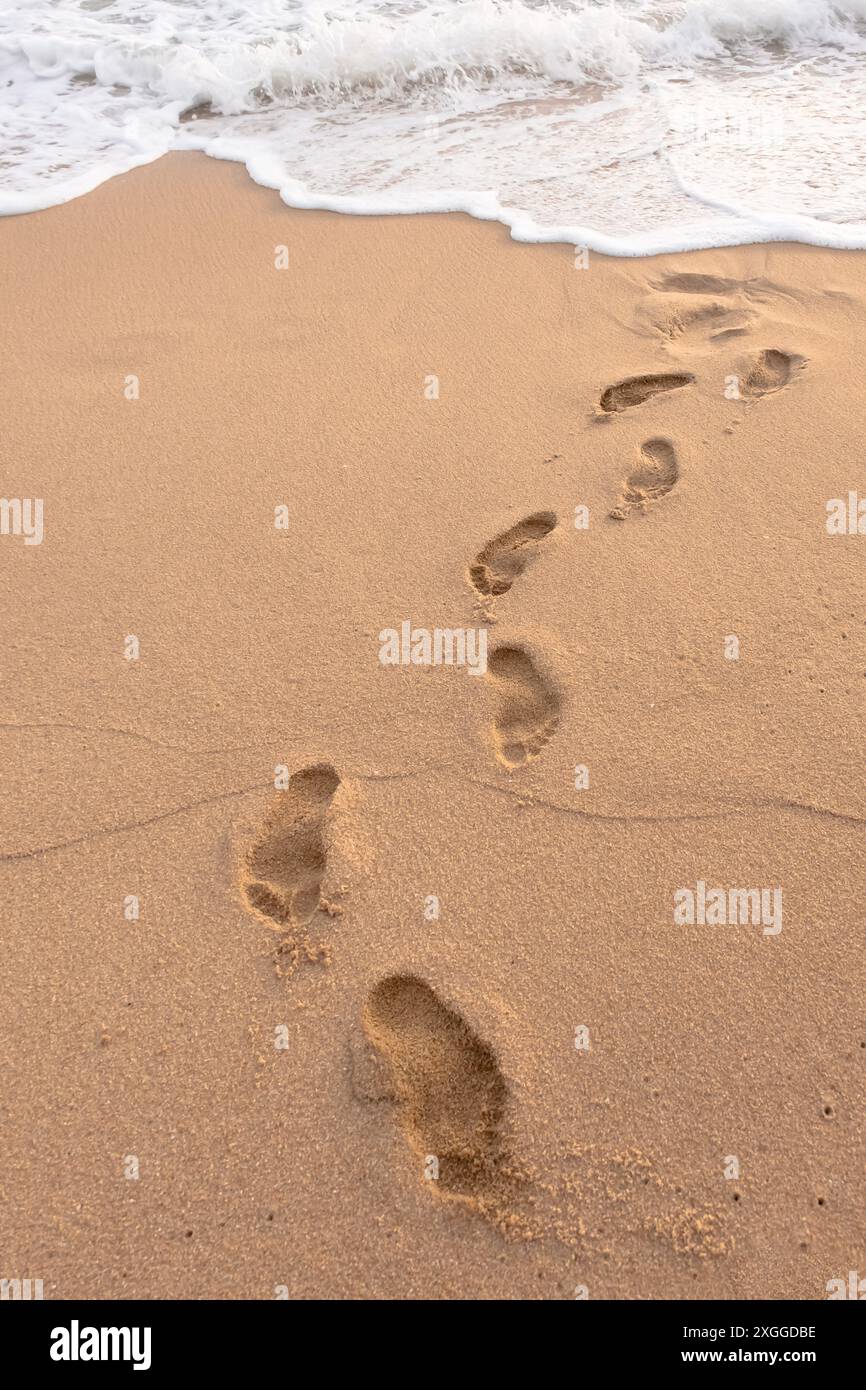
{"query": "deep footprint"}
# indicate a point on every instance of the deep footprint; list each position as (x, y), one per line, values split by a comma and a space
(505, 557)
(451, 1094)
(637, 389)
(286, 865)
(654, 477)
(527, 709)
(768, 372)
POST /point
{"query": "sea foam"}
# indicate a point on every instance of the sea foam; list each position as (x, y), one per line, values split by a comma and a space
(629, 127)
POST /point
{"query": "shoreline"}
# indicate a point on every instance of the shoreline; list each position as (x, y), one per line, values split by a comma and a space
(795, 229)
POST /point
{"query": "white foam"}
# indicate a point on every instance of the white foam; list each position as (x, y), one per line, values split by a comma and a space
(632, 127)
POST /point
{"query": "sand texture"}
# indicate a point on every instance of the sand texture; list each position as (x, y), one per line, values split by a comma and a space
(354, 979)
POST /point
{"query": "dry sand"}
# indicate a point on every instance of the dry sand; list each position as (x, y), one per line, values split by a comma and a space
(288, 1035)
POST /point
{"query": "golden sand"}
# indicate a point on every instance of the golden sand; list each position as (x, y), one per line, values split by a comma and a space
(355, 979)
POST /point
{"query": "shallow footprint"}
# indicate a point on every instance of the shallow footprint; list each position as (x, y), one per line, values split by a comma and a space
(756, 288)
(527, 712)
(286, 865)
(694, 321)
(451, 1094)
(654, 477)
(505, 557)
(686, 282)
(768, 372)
(634, 390)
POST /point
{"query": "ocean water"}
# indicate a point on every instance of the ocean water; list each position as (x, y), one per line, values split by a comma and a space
(628, 126)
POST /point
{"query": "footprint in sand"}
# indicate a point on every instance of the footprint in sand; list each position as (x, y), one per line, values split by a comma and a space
(450, 1092)
(685, 282)
(505, 557)
(768, 372)
(756, 289)
(703, 311)
(694, 322)
(286, 864)
(634, 390)
(653, 478)
(527, 706)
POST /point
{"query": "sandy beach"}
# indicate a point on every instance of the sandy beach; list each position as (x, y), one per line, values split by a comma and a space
(351, 977)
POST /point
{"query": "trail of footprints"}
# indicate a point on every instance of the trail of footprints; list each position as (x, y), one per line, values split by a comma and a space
(687, 306)
(450, 1095)
(526, 705)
